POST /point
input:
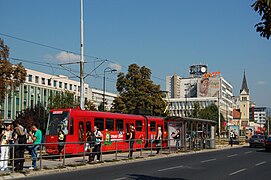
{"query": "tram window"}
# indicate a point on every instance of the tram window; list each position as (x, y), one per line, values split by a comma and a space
(119, 125)
(71, 126)
(110, 124)
(88, 127)
(152, 126)
(81, 131)
(138, 125)
(99, 122)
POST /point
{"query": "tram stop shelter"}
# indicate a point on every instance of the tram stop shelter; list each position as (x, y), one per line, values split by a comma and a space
(195, 133)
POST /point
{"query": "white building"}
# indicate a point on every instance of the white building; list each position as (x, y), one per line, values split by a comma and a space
(37, 89)
(205, 89)
(260, 115)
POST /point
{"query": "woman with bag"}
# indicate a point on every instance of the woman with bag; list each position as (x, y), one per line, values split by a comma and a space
(6, 136)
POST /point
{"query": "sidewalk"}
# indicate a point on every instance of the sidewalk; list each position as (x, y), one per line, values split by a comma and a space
(50, 166)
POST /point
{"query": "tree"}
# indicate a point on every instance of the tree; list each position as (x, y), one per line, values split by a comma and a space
(210, 112)
(11, 75)
(263, 8)
(137, 93)
(36, 115)
(89, 105)
(62, 100)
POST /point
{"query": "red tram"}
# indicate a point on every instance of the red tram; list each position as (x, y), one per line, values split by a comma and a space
(75, 123)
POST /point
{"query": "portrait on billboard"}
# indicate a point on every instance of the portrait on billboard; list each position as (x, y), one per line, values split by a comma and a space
(203, 87)
(208, 87)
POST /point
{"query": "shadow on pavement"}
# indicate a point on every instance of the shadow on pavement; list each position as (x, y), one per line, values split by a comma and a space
(146, 177)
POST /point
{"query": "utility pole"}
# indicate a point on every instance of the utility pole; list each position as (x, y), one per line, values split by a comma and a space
(82, 97)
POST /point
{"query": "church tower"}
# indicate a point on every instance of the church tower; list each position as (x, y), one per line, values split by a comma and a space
(244, 103)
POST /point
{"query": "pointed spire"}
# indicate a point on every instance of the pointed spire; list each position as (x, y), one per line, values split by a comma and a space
(244, 84)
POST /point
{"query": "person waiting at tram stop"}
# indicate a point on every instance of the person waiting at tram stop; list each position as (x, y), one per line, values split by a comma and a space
(61, 143)
(97, 146)
(177, 137)
(158, 139)
(91, 138)
(20, 142)
(131, 141)
(6, 137)
(36, 136)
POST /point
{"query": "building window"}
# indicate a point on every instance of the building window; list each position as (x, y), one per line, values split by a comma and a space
(74, 88)
(70, 87)
(66, 86)
(49, 83)
(37, 79)
(60, 84)
(43, 81)
(86, 90)
(55, 83)
(30, 78)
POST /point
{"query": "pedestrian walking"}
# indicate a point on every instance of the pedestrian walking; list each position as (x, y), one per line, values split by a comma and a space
(90, 136)
(231, 137)
(36, 136)
(61, 143)
(6, 136)
(19, 141)
(97, 147)
(131, 140)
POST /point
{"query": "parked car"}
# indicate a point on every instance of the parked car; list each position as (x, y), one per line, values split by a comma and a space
(268, 144)
(257, 140)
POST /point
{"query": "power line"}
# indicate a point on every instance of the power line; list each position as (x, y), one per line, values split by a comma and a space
(60, 49)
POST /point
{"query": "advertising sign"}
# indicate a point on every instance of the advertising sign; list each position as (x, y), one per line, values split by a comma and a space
(235, 130)
(172, 129)
(208, 87)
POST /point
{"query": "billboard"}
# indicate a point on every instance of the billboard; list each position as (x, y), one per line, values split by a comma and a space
(208, 87)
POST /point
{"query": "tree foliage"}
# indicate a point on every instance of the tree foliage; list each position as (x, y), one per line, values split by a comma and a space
(137, 93)
(36, 115)
(11, 75)
(67, 100)
(210, 112)
(62, 100)
(263, 8)
(89, 105)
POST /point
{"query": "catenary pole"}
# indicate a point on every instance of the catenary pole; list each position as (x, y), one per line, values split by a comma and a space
(82, 98)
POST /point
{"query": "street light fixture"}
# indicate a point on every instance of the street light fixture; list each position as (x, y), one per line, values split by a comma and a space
(106, 70)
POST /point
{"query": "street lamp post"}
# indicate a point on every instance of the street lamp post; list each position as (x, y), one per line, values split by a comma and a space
(108, 69)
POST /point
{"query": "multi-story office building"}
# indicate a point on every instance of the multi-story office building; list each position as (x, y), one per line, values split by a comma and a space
(258, 115)
(37, 89)
(205, 88)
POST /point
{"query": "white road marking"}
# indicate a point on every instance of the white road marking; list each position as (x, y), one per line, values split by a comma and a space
(208, 160)
(260, 163)
(236, 172)
(248, 152)
(170, 168)
(232, 155)
(120, 178)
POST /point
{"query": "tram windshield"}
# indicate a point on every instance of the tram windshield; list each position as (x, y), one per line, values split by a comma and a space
(57, 120)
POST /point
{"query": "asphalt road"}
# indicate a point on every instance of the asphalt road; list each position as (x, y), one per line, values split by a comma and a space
(237, 163)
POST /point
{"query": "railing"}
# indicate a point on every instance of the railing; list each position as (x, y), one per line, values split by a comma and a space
(166, 146)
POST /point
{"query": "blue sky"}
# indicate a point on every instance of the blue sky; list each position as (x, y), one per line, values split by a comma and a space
(167, 36)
